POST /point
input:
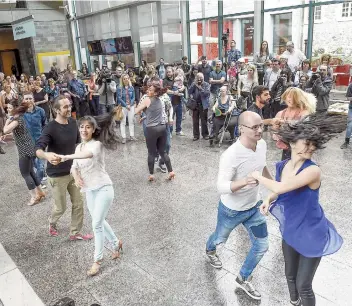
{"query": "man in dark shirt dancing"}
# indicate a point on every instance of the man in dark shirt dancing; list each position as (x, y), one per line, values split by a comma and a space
(60, 136)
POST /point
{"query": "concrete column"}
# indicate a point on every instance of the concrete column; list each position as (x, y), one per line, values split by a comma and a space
(160, 46)
(258, 25)
(184, 31)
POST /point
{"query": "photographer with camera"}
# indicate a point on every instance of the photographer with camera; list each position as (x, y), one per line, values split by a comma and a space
(107, 90)
(282, 83)
(320, 84)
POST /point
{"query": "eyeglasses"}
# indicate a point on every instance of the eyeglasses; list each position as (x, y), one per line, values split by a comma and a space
(255, 127)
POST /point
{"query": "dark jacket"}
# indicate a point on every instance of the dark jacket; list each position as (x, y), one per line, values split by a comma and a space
(204, 93)
(321, 89)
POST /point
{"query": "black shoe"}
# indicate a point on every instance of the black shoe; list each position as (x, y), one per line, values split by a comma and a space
(296, 303)
(195, 138)
(2, 150)
(216, 140)
(345, 145)
(248, 287)
(206, 137)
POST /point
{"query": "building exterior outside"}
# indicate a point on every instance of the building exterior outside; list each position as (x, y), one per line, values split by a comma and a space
(171, 29)
(49, 44)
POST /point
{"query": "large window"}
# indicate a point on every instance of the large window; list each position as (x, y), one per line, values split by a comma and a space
(171, 28)
(282, 31)
(347, 9)
(247, 34)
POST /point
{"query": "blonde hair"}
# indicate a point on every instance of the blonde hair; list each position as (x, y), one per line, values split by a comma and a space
(255, 73)
(301, 99)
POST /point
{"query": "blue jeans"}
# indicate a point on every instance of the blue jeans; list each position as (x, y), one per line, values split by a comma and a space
(178, 113)
(349, 124)
(39, 165)
(99, 202)
(255, 224)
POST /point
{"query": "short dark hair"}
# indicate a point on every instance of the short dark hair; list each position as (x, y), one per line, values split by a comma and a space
(184, 57)
(258, 91)
(203, 58)
(233, 40)
(56, 104)
(275, 60)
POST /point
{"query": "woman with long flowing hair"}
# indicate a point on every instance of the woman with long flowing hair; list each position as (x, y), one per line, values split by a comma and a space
(88, 170)
(299, 104)
(260, 58)
(307, 234)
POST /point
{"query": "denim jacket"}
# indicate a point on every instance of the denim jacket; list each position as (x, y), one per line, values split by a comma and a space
(204, 93)
(121, 96)
(35, 122)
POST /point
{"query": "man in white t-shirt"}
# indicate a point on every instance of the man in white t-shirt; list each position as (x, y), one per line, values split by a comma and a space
(295, 57)
(239, 199)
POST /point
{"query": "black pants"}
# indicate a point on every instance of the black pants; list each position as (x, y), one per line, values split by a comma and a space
(219, 122)
(300, 271)
(81, 106)
(46, 108)
(26, 165)
(156, 141)
(203, 115)
(260, 77)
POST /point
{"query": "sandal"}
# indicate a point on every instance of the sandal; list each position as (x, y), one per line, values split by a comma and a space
(171, 176)
(117, 253)
(94, 270)
(34, 201)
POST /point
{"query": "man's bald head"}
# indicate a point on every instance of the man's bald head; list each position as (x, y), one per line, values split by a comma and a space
(248, 117)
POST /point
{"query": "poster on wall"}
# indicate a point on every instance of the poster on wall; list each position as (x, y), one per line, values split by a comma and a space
(94, 47)
(108, 46)
(124, 45)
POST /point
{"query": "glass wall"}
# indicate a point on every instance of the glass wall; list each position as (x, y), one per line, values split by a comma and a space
(171, 29)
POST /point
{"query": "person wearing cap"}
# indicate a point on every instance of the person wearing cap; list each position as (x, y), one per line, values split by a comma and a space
(242, 67)
(233, 55)
(205, 68)
(295, 57)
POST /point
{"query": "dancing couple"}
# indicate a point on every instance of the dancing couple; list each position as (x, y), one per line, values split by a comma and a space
(81, 169)
(294, 202)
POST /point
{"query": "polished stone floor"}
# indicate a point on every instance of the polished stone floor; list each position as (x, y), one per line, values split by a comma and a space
(164, 227)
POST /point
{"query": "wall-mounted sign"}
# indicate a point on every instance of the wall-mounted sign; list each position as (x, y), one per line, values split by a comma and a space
(23, 28)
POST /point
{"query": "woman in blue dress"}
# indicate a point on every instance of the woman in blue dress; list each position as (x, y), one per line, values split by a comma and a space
(307, 234)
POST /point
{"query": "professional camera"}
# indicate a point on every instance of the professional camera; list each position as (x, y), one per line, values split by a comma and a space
(104, 76)
(315, 76)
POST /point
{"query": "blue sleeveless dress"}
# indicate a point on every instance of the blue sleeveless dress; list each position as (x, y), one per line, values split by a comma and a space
(303, 224)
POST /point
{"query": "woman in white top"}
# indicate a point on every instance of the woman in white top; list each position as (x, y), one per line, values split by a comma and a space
(89, 172)
(246, 83)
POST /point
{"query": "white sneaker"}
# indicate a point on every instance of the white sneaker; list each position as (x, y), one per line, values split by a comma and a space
(180, 134)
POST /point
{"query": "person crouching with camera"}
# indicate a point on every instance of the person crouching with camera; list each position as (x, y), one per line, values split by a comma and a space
(320, 85)
(107, 90)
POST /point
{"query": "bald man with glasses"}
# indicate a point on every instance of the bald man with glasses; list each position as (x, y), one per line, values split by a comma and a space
(240, 199)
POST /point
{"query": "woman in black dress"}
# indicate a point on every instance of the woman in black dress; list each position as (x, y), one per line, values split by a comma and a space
(25, 146)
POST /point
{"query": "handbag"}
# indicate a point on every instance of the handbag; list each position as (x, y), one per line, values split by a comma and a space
(118, 113)
(191, 104)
